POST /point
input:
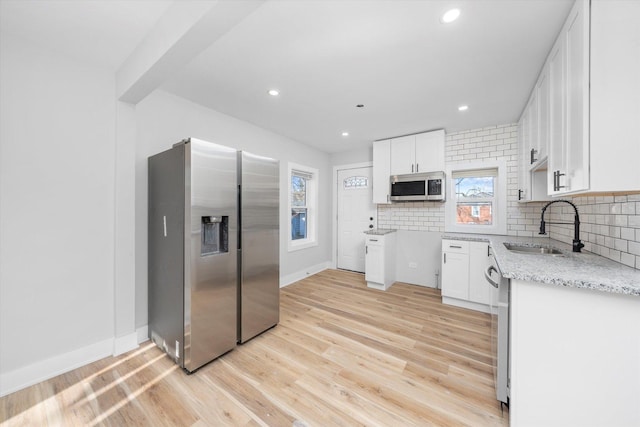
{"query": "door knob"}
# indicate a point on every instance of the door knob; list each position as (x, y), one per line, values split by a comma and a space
(370, 218)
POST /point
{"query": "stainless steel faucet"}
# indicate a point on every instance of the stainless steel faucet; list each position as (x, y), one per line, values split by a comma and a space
(577, 244)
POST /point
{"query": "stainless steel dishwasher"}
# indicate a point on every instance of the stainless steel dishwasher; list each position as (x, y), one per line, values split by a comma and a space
(499, 329)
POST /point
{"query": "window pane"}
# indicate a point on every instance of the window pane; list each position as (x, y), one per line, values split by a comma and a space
(298, 223)
(474, 187)
(473, 200)
(298, 191)
(479, 213)
(355, 182)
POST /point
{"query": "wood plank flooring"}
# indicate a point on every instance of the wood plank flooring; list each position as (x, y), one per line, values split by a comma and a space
(342, 355)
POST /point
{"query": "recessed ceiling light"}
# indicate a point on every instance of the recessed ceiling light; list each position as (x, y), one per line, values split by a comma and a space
(274, 92)
(463, 108)
(450, 16)
(345, 133)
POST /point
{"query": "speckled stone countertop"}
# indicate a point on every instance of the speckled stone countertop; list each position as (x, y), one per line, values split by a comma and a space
(379, 231)
(577, 270)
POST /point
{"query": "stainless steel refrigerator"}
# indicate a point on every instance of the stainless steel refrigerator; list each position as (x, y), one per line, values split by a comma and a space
(258, 257)
(198, 303)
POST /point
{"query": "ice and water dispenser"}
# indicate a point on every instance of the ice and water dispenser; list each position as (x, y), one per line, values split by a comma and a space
(214, 232)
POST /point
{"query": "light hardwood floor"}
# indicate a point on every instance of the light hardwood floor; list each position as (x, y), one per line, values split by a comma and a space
(342, 354)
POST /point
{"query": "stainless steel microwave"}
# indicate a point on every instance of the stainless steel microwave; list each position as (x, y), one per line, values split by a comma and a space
(418, 187)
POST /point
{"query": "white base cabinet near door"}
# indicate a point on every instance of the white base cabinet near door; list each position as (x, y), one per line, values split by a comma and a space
(463, 267)
(380, 260)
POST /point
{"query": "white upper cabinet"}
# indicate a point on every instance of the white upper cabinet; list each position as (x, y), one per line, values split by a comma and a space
(614, 93)
(524, 190)
(532, 145)
(430, 151)
(403, 155)
(593, 91)
(423, 152)
(381, 171)
(569, 119)
(542, 145)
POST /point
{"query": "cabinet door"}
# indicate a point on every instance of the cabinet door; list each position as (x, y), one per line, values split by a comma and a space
(479, 290)
(381, 171)
(524, 185)
(430, 151)
(568, 170)
(532, 110)
(455, 275)
(403, 153)
(556, 114)
(577, 136)
(374, 263)
(542, 90)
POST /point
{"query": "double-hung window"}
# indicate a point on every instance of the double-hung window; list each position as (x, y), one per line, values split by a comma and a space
(303, 198)
(477, 200)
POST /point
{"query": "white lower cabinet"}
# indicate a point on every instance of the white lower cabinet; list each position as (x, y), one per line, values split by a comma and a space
(463, 267)
(380, 261)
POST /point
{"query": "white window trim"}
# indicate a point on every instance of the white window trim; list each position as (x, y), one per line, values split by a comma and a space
(499, 225)
(312, 209)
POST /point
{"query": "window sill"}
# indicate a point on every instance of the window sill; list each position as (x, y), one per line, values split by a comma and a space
(498, 230)
(301, 245)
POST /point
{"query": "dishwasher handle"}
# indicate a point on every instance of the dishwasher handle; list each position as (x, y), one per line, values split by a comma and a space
(487, 275)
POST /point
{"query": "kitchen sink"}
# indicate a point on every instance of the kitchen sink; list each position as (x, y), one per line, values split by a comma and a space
(533, 249)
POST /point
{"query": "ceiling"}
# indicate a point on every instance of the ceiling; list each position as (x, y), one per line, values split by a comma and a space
(409, 70)
(101, 32)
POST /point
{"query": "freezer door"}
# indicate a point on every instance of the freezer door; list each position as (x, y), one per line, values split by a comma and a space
(166, 252)
(211, 258)
(259, 298)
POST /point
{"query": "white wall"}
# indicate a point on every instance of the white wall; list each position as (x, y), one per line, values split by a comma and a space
(57, 141)
(359, 155)
(164, 119)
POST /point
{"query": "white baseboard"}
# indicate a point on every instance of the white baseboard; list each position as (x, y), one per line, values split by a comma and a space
(466, 304)
(45, 369)
(143, 334)
(299, 275)
(126, 343)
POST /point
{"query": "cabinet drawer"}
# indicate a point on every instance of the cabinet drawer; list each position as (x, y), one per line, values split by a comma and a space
(375, 240)
(459, 246)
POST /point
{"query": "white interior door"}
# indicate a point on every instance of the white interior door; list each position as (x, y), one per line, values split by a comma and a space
(356, 214)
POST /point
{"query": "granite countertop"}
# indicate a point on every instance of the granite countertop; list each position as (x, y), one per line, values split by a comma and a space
(379, 231)
(577, 270)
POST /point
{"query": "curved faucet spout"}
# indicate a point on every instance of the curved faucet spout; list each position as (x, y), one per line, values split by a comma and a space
(577, 244)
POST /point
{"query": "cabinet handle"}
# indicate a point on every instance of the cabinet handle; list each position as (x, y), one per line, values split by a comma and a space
(457, 247)
(373, 240)
(412, 168)
(417, 167)
(556, 180)
(533, 153)
(366, 250)
(488, 250)
(445, 257)
(519, 194)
